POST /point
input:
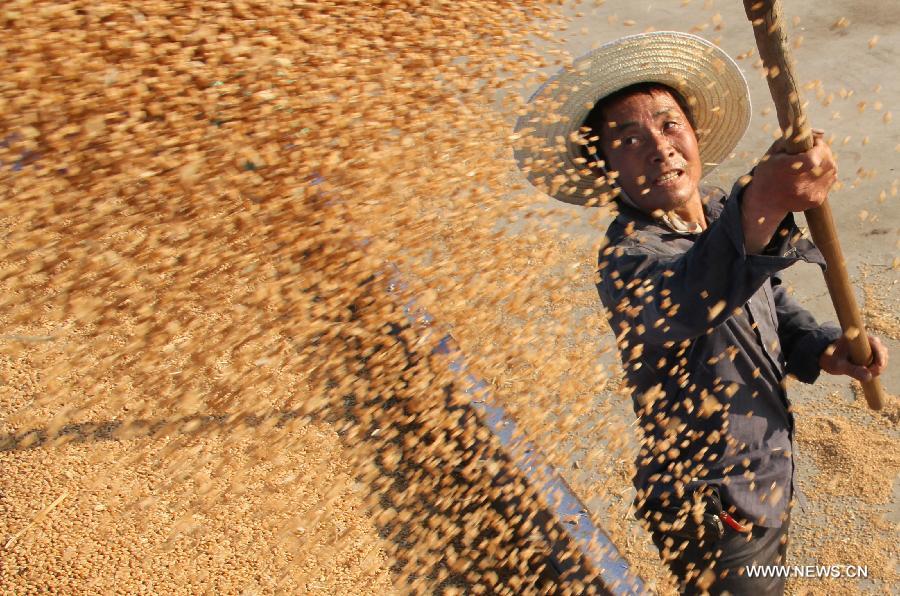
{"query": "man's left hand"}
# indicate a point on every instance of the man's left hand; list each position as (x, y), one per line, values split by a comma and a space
(835, 360)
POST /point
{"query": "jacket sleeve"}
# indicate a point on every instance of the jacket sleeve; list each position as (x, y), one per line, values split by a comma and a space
(664, 297)
(802, 339)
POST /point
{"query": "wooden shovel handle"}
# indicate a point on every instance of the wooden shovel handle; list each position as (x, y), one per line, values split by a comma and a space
(771, 40)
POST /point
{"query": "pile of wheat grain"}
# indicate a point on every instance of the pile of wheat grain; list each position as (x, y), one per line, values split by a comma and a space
(205, 381)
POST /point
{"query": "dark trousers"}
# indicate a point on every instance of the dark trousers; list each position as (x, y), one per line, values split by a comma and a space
(719, 567)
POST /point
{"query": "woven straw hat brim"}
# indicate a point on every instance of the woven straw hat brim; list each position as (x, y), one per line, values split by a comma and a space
(547, 143)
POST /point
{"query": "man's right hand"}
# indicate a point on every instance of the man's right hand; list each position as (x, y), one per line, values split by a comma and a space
(783, 183)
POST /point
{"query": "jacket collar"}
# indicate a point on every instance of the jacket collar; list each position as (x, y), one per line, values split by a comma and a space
(713, 202)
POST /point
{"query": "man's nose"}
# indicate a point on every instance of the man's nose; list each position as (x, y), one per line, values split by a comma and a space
(662, 148)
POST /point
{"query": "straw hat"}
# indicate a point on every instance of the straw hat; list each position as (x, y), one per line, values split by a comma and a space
(548, 140)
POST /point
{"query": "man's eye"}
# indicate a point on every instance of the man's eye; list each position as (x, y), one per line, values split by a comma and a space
(670, 124)
(630, 141)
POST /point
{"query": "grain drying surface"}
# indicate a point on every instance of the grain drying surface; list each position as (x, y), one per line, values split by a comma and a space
(186, 302)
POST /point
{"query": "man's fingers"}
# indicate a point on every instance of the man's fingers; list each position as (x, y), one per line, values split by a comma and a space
(816, 162)
(879, 356)
(836, 360)
(842, 365)
(861, 373)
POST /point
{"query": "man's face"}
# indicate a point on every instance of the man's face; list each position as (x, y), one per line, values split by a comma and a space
(649, 141)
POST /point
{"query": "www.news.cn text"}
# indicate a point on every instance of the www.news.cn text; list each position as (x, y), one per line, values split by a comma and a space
(808, 571)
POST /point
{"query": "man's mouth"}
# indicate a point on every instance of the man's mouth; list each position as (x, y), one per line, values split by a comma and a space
(668, 178)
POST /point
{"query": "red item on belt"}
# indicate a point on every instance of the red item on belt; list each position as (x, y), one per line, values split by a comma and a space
(733, 523)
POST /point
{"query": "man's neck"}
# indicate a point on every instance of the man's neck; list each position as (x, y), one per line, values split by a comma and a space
(692, 213)
(689, 214)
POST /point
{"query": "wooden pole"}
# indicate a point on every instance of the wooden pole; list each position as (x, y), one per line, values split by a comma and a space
(771, 39)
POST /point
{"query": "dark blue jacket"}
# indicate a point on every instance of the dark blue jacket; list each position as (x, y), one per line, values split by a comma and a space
(707, 334)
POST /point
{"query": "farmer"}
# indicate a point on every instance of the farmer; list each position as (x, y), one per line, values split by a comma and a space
(689, 277)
